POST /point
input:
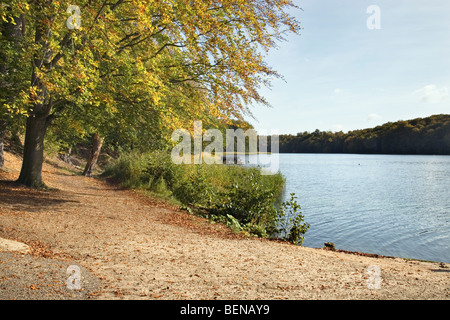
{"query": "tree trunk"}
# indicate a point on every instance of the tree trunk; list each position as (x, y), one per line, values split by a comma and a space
(33, 152)
(39, 111)
(93, 157)
(2, 142)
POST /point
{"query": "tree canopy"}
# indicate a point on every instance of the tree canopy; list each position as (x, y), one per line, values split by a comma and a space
(429, 135)
(116, 66)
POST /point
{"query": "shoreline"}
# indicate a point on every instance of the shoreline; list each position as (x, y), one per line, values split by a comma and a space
(132, 247)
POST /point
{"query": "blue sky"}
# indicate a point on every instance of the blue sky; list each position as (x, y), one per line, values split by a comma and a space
(341, 75)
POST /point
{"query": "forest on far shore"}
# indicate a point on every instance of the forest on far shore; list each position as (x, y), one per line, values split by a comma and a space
(430, 136)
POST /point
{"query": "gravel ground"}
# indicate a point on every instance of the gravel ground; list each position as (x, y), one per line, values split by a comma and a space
(28, 277)
(132, 247)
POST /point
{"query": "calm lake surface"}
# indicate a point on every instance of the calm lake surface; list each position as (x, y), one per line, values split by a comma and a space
(396, 205)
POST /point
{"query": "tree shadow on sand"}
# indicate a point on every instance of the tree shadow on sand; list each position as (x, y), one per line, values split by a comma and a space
(18, 197)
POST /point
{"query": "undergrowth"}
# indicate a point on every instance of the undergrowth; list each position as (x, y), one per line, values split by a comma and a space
(238, 196)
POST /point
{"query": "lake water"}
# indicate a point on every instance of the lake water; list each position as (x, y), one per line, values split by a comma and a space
(395, 205)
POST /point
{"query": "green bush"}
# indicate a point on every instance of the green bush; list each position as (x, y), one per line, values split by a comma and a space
(192, 186)
(241, 197)
(246, 195)
(159, 171)
(128, 170)
(290, 223)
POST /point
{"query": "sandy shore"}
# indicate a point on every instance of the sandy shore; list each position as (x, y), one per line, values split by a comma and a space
(132, 247)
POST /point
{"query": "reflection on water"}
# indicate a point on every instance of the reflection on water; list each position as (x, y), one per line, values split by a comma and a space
(387, 204)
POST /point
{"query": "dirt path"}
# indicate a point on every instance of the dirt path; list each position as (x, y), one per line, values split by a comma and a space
(141, 249)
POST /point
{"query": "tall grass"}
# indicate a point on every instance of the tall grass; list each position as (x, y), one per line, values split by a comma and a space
(239, 196)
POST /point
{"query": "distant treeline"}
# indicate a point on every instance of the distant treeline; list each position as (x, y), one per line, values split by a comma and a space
(418, 136)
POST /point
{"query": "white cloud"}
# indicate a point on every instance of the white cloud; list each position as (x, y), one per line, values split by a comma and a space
(337, 91)
(432, 93)
(374, 117)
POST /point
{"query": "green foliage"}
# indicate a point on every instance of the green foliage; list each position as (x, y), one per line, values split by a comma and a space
(238, 196)
(246, 194)
(128, 170)
(134, 71)
(233, 223)
(291, 225)
(158, 169)
(193, 187)
(418, 136)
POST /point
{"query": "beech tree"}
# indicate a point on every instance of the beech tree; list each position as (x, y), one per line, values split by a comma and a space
(11, 33)
(108, 55)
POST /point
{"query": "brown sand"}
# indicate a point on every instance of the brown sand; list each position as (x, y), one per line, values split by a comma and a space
(141, 248)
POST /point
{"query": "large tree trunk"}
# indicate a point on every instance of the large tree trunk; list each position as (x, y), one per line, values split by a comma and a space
(33, 153)
(93, 157)
(39, 112)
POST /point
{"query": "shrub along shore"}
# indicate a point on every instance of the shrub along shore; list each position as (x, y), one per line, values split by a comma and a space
(241, 197)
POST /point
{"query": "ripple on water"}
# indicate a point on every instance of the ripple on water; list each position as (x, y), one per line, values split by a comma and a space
(390, 205)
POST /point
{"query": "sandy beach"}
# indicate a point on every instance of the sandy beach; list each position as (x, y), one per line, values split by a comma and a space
(129, 246)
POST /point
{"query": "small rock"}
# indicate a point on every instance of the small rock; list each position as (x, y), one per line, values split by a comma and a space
(11, 245)
(329, 246)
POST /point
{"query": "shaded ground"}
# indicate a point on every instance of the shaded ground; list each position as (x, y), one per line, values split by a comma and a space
(29, 277)
(132, 247)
